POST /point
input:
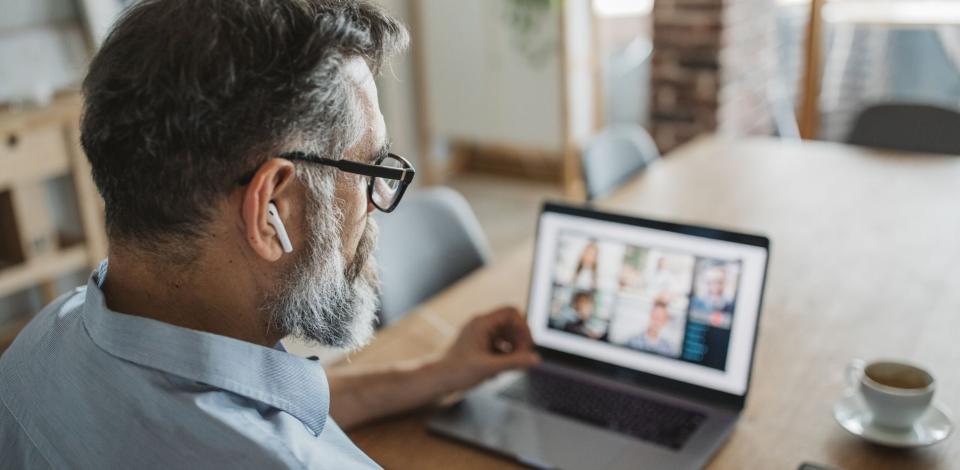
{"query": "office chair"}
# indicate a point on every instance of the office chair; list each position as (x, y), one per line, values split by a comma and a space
(911, 127)
(615, 155)
(429, 242)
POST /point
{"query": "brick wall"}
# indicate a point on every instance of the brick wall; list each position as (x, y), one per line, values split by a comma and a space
(712, 62)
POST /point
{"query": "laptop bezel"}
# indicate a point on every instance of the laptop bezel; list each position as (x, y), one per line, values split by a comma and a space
(635, 377)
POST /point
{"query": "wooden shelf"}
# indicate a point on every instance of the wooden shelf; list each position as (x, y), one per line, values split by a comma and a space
(37, 146)
(52, 266)
(34, 143)
(29, 170)
(66, 106)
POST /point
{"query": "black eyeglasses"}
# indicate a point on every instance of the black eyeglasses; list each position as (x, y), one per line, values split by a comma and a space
(389, 176)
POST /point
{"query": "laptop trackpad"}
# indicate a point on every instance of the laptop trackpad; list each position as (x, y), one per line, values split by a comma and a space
(535, 438)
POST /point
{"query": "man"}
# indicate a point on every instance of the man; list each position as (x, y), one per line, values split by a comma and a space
(577, 318)
(240, 150)
(712, 308)
(713, 298)
(651, 338)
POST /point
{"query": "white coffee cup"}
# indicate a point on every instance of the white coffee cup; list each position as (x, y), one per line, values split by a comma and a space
(896, 393)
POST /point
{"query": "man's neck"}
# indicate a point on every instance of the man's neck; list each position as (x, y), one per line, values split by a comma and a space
(205, 297)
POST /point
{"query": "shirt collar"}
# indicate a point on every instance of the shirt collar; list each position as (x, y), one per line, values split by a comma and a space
(289, 383)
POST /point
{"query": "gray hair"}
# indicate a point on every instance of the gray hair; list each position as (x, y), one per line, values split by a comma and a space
(186, 97)
(322, 298)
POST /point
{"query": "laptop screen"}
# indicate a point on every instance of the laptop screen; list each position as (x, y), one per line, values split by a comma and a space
(674, 301)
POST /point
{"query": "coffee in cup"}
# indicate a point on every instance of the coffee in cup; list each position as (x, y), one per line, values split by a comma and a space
(896, 393)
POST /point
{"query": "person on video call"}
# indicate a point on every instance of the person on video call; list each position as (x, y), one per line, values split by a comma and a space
(719, 310)
(218, 131)
(585, 274)
(714, 298)
(652, 339)
(662, 279)
(577, 317)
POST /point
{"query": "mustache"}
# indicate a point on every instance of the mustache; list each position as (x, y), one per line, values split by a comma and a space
(360, 266)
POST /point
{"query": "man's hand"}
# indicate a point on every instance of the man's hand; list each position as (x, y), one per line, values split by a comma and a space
(486, 346)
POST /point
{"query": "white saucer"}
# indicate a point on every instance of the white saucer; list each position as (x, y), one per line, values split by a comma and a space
(852, 413)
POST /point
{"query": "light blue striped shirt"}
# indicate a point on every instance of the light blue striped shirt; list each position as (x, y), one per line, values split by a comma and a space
(85, 387)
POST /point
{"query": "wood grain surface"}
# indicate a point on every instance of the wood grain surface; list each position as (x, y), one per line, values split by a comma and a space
(865, 263)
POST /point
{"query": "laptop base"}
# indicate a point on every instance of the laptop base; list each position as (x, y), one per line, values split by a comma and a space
(544, 439)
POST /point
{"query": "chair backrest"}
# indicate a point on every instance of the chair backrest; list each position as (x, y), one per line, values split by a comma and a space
(613, 156)
(429, 242)
(911, 127)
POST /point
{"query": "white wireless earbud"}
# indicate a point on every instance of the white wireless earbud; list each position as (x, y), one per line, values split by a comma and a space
(273, 218)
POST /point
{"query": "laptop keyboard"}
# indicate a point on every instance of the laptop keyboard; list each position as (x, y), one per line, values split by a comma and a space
(625, 413)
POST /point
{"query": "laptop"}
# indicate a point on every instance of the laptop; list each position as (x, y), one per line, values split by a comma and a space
(647, 331)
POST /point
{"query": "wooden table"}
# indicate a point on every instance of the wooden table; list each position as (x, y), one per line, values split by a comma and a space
(865, 264)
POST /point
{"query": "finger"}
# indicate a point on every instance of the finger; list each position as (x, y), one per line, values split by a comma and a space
(497, 317)
(517, 360)
(523, 340)
(491, 320)
(513, 329)
(506, 328)
(501, 345)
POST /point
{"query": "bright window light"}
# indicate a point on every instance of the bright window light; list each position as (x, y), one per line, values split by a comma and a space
(613, 8)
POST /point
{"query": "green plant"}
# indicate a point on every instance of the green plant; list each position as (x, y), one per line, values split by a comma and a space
(533, 30)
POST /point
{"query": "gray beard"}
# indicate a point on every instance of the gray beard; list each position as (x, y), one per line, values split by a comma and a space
(322, 298)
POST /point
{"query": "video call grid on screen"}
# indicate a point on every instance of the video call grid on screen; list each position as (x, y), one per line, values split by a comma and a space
(675, 305)
(647, 299)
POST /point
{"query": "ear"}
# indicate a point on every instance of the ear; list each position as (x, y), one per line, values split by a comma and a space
(271, 183)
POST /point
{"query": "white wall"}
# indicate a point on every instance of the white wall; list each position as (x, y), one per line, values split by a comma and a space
(580, 68)
(397, 92)
(25, 13)
(42, 49)
(480, 88)
(36, 37)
